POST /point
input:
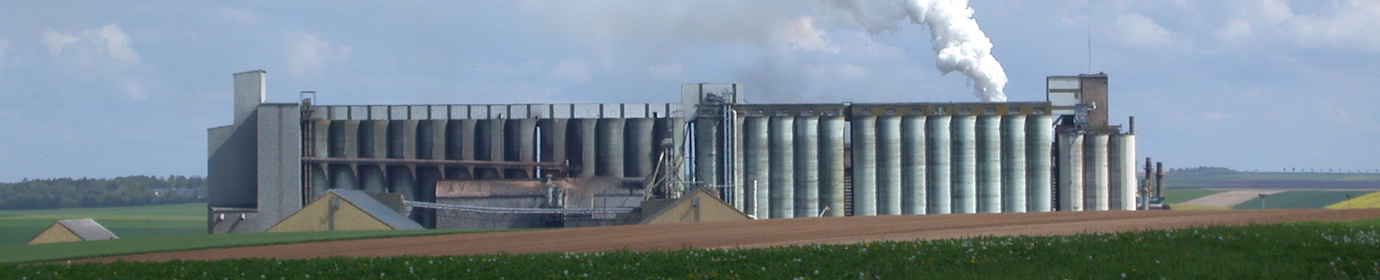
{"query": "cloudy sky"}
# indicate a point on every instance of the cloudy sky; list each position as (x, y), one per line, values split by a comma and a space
(96, 89)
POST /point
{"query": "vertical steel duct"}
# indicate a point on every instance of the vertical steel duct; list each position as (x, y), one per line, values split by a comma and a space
(831, 160)
(782, 167)
(1095, 179)
(889, 165)
(1013, 142)
(1116, 173)
(609, 154)
(756, 178)
(1039, 156)
(964, 186)
(864, 165)
(553, 139)
(707, 150)
(989, 184)
(913, 199)
(1070, 172)
(937, 158)
(639, 147)
(806, 166)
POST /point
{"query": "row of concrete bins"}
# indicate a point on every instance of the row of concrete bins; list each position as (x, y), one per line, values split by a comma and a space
(771, 161)
(909, 159)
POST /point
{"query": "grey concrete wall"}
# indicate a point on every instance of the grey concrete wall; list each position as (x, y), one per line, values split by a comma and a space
(278, 164)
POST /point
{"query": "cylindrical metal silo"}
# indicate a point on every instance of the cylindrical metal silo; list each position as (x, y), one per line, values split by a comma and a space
(1070, 172)
(639, 147)
(1013, 142)
(889, 165)
(989, 164)
(1038, 158)
(1095, 179)
(913, 192)
(938, 155)
(864, 165)
(707, 151)
(371, 178)
(756, 170)
(1129, 184)
(964, 165)
(583, 154)
(806, 166)
(782, 167)
(831, 162)
(609, 154)
(1123, 171)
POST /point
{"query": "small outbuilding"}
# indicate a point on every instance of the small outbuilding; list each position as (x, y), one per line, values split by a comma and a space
(347, 210)
(701, 205)
(73, 230)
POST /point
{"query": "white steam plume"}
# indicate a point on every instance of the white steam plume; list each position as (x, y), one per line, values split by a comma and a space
(960, 45)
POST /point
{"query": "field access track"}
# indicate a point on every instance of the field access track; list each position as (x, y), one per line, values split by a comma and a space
(763, 233)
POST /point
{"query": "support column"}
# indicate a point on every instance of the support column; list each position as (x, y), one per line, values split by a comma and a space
(888, 165)
(831, 161)
(806, 166)
(913, 187)
(782, 167)
(864, 165)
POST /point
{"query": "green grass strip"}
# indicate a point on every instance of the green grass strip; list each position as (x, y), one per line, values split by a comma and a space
(90, 249)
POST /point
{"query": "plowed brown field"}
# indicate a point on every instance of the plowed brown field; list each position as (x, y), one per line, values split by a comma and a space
(764, 233)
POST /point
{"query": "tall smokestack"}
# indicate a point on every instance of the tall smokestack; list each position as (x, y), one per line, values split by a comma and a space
(1159, 179)
(960, 45)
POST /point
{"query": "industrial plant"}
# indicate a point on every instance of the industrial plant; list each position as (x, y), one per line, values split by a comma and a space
(570, 165)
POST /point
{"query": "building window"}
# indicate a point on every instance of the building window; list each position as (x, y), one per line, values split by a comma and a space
(965, 111)
(989, 111)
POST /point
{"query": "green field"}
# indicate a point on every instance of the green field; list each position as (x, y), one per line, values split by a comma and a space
(18, 226)
(21, 253)
(1300, 199)
(1284, 251)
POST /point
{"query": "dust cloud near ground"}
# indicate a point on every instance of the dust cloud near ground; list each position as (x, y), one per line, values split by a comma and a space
(762, 233)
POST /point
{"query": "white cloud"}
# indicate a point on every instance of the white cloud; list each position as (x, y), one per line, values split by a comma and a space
(1236, 30)
(801, 33)
(108, 42)
(307, 55)
(56, 41)
(571, 70)
(1141, 31)
(1348, 25)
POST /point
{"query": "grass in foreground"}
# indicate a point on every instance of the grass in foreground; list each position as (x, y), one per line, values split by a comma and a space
(90, 249)
(1287, 251)
(1371, 200)
(18, 226)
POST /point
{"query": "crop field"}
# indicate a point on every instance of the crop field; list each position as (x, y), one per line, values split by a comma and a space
(1300, 200)
(18, 226)
(1181, 195)
(1283, 251)
(1371, 200)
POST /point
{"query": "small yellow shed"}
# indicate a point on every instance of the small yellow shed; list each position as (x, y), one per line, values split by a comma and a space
(701, 205)
(73, 230)
(345, 210)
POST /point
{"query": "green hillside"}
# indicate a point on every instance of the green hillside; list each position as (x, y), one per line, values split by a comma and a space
(1217, 177)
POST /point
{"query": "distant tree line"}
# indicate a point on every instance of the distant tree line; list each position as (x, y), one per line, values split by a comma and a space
(86, 192)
